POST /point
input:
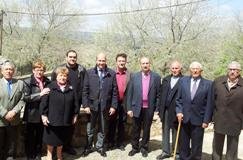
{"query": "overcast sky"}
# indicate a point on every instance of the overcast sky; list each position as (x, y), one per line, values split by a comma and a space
(223, 7)
(94, 23)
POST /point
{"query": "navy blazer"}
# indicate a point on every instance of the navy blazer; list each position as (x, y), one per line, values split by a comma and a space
(93, 95)
(134, 95)
(198, 110)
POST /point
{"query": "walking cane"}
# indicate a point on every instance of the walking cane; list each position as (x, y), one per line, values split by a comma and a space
(177, 138)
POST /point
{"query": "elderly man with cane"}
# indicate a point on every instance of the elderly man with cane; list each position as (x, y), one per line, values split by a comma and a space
(194, 107)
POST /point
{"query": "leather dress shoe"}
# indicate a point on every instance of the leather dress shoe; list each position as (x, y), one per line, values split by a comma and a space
(10, 158)
(163, 156)
(132, 152)
(144, 152)
(122, 147)
(70, 150)
(102, 153)
(86, 152)
(38, 157)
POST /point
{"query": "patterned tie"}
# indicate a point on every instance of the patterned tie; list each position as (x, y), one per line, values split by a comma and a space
(9, 88)
(194, 89)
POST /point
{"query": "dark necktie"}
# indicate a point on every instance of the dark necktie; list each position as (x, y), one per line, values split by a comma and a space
(194, 88)
(9, 88)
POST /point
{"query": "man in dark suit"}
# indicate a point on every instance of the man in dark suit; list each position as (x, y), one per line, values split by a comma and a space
(76, 79)
(194, 107)
(99, 100)
(167, 113)
(11, 103)
(142, 100)
(228, 112)
(118, 120)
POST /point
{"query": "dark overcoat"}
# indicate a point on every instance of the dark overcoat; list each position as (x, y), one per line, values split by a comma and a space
(100, 92)
(168, 100)
(228, 109)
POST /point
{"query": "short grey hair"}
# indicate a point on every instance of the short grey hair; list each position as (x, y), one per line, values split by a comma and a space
(196, 64)
(234, 65)
(8, 63)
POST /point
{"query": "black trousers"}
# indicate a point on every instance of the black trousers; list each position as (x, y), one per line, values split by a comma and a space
(218, 145)
(33, 139)
(99, 118)
(117, 125)
(8, 141)
(191, 134)
(143, 121)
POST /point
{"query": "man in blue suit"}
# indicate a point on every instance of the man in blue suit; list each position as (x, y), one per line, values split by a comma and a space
(194, 109)
(142, 100)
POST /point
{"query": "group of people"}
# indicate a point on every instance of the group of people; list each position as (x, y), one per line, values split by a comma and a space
(107, 96)
(194, 102)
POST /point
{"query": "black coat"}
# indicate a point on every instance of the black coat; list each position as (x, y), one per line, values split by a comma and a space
(60, 107)
(168, 100)
(228, 111)
(93, 95)
(32, 98)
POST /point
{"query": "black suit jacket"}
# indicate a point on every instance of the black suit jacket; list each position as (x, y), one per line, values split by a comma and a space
(198, 110)
(167, 100)
(134, 96)
(93, 95)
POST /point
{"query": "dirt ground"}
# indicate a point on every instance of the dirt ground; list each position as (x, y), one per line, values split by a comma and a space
(155, 150)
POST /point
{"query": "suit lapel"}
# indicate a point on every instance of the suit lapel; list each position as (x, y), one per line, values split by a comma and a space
(200, 87)
(140, 82)
(151, 80)
(3, 86)
(188, 86)
(127, 78)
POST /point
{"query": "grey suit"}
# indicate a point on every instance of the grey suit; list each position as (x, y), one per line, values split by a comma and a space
(140, 114)
(8, 129)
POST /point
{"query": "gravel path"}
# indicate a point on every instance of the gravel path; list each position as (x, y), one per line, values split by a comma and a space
(155, 149)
